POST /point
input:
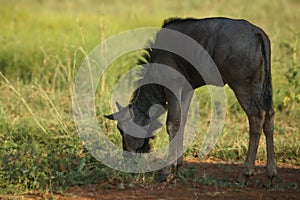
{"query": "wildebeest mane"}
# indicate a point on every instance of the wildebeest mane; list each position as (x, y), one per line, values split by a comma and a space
(146, 55)
(149, 51)
(173, 20)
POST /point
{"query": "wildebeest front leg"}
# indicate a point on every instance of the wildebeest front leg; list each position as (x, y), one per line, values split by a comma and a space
(186, 98)
(176, 119)
(173, 125)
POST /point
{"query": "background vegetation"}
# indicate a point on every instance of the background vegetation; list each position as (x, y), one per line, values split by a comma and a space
(42, 44)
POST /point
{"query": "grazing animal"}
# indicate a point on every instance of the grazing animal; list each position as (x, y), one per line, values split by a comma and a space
(241, 51)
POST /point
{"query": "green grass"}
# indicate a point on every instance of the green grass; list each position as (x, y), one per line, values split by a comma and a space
(42, 44)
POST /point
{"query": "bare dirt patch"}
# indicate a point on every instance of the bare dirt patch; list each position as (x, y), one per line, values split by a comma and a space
(207, 180)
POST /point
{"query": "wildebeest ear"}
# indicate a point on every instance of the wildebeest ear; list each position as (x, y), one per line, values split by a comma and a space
(116, 116)
(123, 114)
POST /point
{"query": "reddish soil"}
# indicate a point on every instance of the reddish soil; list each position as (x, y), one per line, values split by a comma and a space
(287, 186)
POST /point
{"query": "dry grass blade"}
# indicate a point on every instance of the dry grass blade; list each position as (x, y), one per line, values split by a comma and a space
(24, 102)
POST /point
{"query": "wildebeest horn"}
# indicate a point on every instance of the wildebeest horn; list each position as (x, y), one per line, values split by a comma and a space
(122, 114)
(119, 106)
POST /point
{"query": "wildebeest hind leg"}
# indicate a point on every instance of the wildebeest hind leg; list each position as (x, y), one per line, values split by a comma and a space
(271, 170)
(255, 114)
(256, 119)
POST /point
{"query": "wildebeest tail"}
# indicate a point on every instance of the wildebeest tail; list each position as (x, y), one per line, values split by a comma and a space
(267, 90)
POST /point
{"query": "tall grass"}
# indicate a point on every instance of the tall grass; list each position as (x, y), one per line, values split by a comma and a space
(42, 46)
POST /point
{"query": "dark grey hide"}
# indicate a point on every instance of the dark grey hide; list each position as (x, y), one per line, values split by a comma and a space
(241, 52)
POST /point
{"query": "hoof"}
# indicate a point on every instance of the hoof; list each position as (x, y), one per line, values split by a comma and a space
(161, 177)
(269, 181)
(242, 179)
(164, 178)
(270, 177)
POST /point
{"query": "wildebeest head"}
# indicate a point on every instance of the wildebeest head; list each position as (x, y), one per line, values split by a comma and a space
(135, 138)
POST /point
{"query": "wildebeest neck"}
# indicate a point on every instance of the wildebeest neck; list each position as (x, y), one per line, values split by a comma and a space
(143, 99)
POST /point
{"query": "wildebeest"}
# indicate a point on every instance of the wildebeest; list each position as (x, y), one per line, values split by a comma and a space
(241, 51)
